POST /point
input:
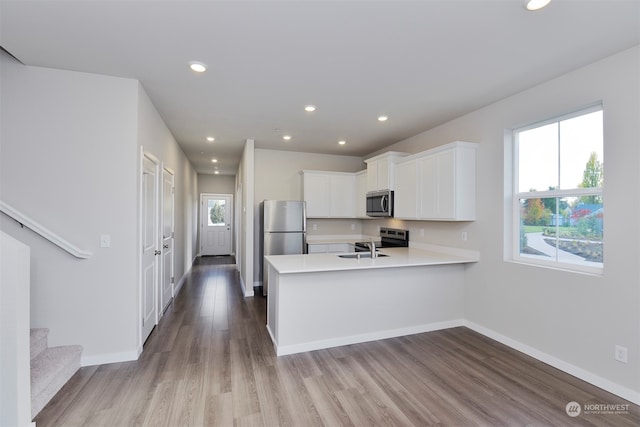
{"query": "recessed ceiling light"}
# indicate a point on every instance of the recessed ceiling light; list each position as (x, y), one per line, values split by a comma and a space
(535, 4)
(216, 172)
(309, 108)
(214, 160)
(342, 142)
(286, 137)
(210, 139)
(382, 118)
(198, 67)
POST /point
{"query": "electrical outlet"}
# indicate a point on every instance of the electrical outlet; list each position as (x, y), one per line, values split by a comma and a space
(620, 353)
(463, 236)
(353, 226)
(105, 241)
(422, 232)
(315, 227)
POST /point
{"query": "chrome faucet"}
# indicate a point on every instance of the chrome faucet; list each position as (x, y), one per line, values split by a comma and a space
(372, 248)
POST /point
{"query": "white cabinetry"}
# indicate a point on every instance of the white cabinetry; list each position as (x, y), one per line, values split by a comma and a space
(322, 248)
(329, 194)
(438, 184)
(380, 175)
(361, 194)
(405, 203)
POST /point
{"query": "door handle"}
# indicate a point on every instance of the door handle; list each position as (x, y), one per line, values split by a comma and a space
(157, 253)
(165, 246)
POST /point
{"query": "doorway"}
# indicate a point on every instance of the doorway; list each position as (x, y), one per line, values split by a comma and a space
(149, 242)
(216, 216)
(167, 277)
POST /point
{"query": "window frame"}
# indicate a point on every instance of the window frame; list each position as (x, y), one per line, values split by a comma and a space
(516, 196)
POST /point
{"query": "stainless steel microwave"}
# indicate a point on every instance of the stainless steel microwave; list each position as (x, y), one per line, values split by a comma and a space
(380, 203)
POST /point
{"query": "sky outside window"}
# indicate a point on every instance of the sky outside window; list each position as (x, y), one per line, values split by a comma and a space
(540, 151)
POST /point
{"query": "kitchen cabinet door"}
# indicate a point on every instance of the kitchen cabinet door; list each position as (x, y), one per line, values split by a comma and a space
(329, 194)
(361, 194)
(342, 195)
(380, 171)
(428, 193)
(317, 195)
(406, 192)
(314, 248)
(372, 176)
(446, 196)
(447, 184)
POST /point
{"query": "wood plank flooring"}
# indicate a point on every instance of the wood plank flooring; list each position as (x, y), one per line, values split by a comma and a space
(210, 362)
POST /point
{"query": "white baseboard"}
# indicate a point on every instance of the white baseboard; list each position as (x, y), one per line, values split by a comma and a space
(282, 350)
(178, 286)
(103, 359)
(611, 387)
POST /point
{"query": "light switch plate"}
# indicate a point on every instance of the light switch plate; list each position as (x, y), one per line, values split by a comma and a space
(105, 241)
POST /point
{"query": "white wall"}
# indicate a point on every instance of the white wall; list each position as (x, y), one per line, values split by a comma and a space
(216, 184)
(574, 319)
(245, 217)
(277, 177)
(69, 161)
(15, 378)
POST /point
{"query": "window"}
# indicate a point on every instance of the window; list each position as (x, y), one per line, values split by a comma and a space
(216, 213)
(558, 206)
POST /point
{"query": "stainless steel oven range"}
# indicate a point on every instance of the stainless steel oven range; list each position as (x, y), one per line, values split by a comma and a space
(389, 238)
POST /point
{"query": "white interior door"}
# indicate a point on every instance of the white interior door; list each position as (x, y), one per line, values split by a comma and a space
(166, 288)
(150, 252)
(215, 224)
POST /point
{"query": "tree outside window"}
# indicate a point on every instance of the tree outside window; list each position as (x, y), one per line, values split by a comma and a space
(216, 212)
(563, 222)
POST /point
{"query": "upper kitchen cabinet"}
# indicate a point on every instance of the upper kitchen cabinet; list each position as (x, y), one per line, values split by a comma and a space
(361, 194)
(405, 204)
(438, 184)
(329, 194)
(380, 171)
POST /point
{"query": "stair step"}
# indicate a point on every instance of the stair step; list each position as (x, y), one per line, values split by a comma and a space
(39, 341)
(50, 370)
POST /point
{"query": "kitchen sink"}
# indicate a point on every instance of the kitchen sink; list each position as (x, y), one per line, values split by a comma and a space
(358, 255)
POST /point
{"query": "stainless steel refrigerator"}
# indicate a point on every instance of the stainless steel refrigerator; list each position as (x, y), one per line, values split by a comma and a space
(284, 226)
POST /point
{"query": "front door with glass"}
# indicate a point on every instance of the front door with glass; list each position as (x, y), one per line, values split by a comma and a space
(215, 224)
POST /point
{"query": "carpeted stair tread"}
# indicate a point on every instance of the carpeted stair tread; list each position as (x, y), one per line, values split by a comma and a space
(50, 370)
(38, 341)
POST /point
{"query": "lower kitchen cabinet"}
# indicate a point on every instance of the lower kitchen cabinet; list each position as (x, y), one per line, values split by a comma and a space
(437, 184)
(323, 248)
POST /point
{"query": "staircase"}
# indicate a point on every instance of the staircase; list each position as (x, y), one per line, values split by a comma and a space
(51, 368)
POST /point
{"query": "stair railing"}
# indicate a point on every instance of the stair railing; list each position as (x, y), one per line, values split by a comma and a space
(32, 225)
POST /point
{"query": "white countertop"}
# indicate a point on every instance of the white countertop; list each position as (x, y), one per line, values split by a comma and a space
(397, 257)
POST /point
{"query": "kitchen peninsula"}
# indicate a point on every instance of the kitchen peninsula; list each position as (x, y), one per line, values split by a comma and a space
(324, 300)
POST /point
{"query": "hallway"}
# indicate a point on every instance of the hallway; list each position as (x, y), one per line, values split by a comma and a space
(210, 362)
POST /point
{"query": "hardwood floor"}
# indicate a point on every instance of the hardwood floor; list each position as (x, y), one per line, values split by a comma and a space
(210, 362)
